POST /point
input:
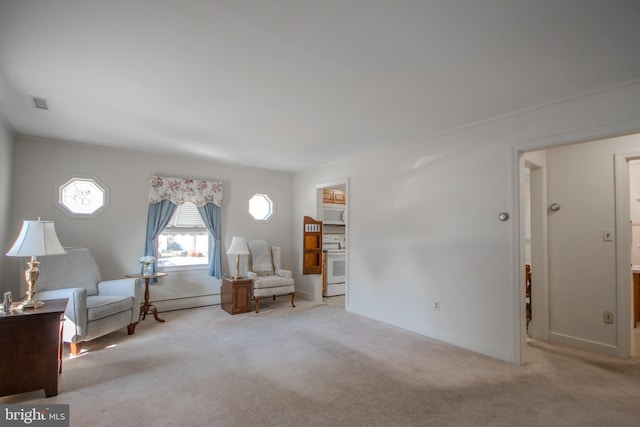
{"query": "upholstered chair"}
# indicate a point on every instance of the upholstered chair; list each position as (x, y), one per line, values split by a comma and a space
(96, 307)
(269, 278)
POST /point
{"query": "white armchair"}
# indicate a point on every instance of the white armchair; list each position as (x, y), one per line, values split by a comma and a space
(269, 278)
(95, 307)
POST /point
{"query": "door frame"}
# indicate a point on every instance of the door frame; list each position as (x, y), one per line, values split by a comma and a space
(539, 327)
(318, 198)
(624, 281)
(621, 170)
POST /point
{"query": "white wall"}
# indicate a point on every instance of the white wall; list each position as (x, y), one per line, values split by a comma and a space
(423, 220)
(582, 266)
(116, 237)
(6, 154)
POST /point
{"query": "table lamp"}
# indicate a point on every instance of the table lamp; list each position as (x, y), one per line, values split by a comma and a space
(36, 238)
(238, 247)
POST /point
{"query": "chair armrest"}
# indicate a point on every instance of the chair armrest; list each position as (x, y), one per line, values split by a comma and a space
(129, 287)
(251, 275)
(76, 312)
(284, 273)
(118, 287)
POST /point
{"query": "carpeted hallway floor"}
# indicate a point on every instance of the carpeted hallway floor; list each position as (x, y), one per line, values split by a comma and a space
(317, 365)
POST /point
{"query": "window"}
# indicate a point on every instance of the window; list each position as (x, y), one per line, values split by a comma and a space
(261, 207)
(185, 239)
(82, 197)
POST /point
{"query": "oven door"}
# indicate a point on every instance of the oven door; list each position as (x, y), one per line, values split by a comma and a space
(336, 267)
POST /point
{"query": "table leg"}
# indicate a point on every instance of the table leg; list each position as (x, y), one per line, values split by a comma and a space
(146, 306)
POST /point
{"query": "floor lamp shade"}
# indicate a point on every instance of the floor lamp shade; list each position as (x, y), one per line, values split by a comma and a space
(36, 238)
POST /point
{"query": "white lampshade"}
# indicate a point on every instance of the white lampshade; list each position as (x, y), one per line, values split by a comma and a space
(238, 246)
(36, 238)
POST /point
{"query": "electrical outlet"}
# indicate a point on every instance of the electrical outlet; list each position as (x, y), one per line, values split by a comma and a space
(436, 306)
(608, 317)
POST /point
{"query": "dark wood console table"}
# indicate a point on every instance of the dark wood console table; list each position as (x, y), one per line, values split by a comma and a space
(31, 348)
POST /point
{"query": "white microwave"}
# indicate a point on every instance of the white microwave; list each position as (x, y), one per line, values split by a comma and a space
(335, 216)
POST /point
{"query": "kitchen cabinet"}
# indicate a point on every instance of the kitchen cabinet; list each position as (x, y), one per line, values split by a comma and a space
(334, 196)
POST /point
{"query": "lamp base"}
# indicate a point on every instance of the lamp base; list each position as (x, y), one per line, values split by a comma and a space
(237, 275)
(31, 276)
(34, 303)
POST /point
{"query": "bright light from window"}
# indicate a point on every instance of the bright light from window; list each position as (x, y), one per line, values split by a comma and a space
(82, 197)
(261, 207)
(185, 240)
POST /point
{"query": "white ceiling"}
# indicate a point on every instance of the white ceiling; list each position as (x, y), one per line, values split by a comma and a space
(296, 84)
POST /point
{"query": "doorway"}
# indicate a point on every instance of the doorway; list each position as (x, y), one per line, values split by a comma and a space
(592, 253)
(634, 221)
(332, 209)
(534, 258)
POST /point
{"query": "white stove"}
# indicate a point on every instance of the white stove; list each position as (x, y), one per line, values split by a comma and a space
(334, 245)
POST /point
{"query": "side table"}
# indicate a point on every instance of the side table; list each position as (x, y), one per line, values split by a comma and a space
(144, 309)
(235, 295)
(31, 348)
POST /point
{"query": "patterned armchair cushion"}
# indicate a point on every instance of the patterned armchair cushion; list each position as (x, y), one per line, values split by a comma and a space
(261, 262)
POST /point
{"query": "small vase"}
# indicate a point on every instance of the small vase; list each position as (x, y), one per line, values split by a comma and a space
(147, 269)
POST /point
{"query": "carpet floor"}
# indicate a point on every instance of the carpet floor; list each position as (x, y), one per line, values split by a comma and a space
(317, 365)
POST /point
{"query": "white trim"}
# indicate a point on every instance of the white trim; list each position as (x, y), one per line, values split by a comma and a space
(183, 270)
(187, 302)
(517, 275)
(623, 252)
(539, 328)
(304, 295)
(583, 344)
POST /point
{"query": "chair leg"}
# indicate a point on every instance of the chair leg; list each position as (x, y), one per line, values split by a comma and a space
(274, 297)
(131, 328)
(257, 304)
(76, 347)
(293, 295)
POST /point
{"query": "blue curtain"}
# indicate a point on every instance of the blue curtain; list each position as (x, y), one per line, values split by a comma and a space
(157, 219)
(210, 214)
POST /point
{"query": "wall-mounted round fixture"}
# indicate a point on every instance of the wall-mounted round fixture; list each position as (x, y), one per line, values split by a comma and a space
(503, 216)
(555, 207)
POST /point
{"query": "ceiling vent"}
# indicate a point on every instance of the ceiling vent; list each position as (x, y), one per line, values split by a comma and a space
(40, 103)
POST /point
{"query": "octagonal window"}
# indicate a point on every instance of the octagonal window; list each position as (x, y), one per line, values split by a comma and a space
(83, 197)
(261, 207)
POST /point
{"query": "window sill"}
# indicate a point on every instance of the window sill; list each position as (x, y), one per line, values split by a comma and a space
(184, 269)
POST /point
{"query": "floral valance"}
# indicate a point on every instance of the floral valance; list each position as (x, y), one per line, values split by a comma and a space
(179, 190)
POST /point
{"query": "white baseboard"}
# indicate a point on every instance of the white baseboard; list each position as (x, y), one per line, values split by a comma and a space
(583, 344)
(188, 302)
(304, 295)
(202, 301)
